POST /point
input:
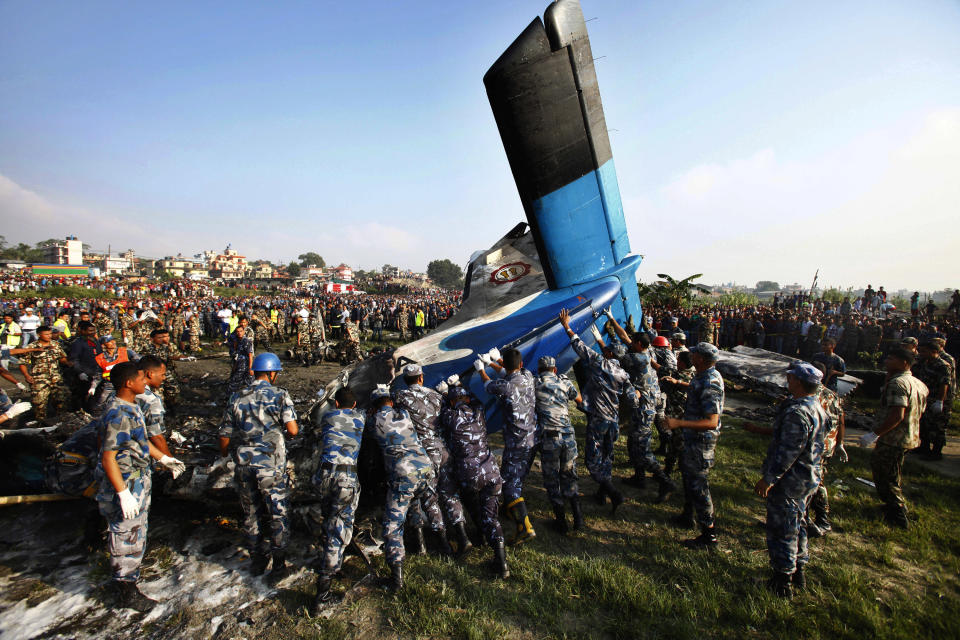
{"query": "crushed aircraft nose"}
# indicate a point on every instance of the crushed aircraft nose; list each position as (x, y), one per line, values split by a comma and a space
(766, 371)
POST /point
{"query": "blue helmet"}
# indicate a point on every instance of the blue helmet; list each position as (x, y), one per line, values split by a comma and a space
(267, 362)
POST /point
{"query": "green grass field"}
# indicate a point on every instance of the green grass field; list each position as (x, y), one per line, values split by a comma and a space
(628, 576)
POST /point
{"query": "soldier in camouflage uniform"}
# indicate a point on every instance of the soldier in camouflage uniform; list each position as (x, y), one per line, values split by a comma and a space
(819, 504)
(341, 432)
(150, 403)
(790, 475)
(255, 421)
(160, 346)
(124, 494)
(934, 372)
(193, 327)
(872, 334)
(952, 389)
(475, 466)
(240, 373)
(44, 378)
(559, 451)
(260, 321)
(700, 429)
(102, 323)
(178, 326)
(676, 391)
(403, 322)
(423, 405)
(903, 400)
(607, 383)
(128, 329)
(516, 393)
(664, 364)
(410, 478)
(142, 330)
(351, 342)
(647, 387)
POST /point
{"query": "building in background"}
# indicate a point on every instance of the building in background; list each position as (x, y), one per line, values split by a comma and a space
(68, 251)
(228, 265)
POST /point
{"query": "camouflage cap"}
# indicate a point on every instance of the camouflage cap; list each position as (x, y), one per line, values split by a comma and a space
(679, 335)
(910, 340)
(458, 392)
(413, 370)
(707, 350)
(380, 391)
(806, 372)
(105, 339)
(546, 362)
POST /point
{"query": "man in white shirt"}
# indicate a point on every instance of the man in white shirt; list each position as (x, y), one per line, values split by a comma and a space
(29, 322)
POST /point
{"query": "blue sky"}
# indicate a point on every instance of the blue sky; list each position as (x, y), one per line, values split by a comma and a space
(753, 141)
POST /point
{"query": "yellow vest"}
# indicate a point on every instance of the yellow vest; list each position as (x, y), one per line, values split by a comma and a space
(273, 316)
(232, 322)
(62, 326)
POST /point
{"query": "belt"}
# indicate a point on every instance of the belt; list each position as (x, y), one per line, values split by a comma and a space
(347, 468)
(553, 433)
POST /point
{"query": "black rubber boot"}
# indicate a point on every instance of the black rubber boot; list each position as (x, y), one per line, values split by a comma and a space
(600, 497)
(443, 545)
(706, 540)
(780, 585)
(463, 541)
(396, 577)
(559, 523)
(500, 561)
(896, 517)
(638, 479)
(684, 519)
(323, 594)
(665, 487)
(525, 531)
(577, 513)
(129, 597)
(935, 453)
(258, 563)
(616, 498)
(798, 579)
(280, 568)
(419, 544)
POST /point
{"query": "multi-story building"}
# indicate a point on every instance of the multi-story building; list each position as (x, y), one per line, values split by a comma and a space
(68, 251)
(115, 266)
(260, 271)
(180, 267)
(228, 265)
(342, 273)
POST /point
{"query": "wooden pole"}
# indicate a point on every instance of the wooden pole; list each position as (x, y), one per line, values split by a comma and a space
(40, 497)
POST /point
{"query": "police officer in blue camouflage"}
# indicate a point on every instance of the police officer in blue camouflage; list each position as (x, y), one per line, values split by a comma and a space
(607, 383)
(700, 429)
(255, 422)
(410, 478)
(341, 433)
(475, 466)
(124, 493)
(424, 404)
(151, 402)
(790, 475)
(559, 449)
(516, 392)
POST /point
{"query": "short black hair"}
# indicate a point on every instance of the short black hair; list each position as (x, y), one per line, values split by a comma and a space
(149, 363)
(512, 359)
(809, 387)
(411, 379)
(643, 338)
(123, 373)
(345, 398)
(84, 324)
(43, 328)
(902, 354)
(158, 332)
(684, 358)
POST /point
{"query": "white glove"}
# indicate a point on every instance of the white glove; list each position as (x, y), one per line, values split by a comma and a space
(936, 406)
(485, 358)
(842, 454)
(92, 390)
(494, 354)
(17, 409)
(21, 386)
(453, 380)
(175, 466)
(84, 377)
(442, 387)
(607, 312)
(478, 364)
(596, 332)
(128, 504)
(868, 439)
(189, 359)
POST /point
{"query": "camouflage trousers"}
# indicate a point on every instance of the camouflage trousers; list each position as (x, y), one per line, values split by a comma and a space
(820, 500)
(601, 437)
(339, 495)
(127, 538)
(171, 389)
(513, 469)
(240, 377)
(194, 342)
(933, 429)
(887, 465)
(481, 486)
(263, 500)
(787, 532)
(638, 442)
(558, 457)
(448, 493)
(696, 461)
(401, 494)
(351, 350)
(46, 395)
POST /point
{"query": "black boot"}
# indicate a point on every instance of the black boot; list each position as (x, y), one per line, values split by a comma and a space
(935, 453)
(780, 585)
(559, 523)
(443, 545)
(616, 498)
(258, 563)
(129, 597)
(638, 480)
(798, 579)
(280, 568)
(706, 540)
(665, 487)
(577, 513)
(896, 517)
(463, 542)
(419, 544)
(600, 497)
(500, 560)
(396, 577)
(323, 594)
(684, 519)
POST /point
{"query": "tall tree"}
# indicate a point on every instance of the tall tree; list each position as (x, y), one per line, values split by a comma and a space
(293, 269)
(768, 285)
(309, 258)
(445, 273)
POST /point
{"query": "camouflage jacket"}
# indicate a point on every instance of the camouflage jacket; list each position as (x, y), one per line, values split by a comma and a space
(423, 405)
(606, 383)
(705, 396)
(952, 391)
(677, 395)
(830, 402)
(103, 325)
(904, 390)
(45, 365)
(466, 431)
(792, 466)
(167, 352)
(341, 432)
(648, 386)
(121, 429)
(934, 373)
(666, 359)
(553, 395)
(517, 396)
(151, 406)
(255, 422)
(403, 455)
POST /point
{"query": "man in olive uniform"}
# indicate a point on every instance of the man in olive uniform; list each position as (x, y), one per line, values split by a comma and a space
(934, 372)
(160, 346)
(44, 378)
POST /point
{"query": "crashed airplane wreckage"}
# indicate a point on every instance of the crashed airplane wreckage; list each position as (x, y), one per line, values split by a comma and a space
(766, 371)
(572, 253)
